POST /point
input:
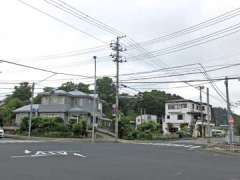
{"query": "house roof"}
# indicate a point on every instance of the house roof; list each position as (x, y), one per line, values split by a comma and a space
(27, 108)
(74, 93)
(183, 100)
(77, 109)
(77, 93)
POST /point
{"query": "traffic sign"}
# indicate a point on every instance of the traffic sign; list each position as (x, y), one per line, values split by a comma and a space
(231, 120)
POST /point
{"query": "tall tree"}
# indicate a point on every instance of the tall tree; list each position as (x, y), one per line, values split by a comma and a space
(106, 90)
(70, 86)
(22, 92)
(6, 111)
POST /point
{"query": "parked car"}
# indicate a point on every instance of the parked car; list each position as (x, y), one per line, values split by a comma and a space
(218, 133)
(1, 132)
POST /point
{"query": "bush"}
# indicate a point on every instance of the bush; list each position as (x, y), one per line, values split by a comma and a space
(149, 126)
(43, 124)
(184, 132)
(80, 129)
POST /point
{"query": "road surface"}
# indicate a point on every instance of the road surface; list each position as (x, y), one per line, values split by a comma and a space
(33, 160)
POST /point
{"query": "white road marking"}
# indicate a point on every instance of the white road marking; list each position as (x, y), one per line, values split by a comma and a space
(48, 154)
(172, 145)
(27, 151)
(41, 153)
(18, 141)
(80, 155)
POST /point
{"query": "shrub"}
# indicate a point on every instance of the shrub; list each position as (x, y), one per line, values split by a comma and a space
(149, 126)
(184, 132)
(43, 124)
(80, 129)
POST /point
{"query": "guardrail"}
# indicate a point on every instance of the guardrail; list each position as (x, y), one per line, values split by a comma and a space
(236, 139)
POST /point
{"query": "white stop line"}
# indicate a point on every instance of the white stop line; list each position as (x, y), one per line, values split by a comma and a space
(30, 154)
(172, 145)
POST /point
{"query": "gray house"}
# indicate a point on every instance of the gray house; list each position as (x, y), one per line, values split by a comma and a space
(70, 106)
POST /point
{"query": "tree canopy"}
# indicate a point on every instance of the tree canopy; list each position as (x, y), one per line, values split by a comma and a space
(70, 86)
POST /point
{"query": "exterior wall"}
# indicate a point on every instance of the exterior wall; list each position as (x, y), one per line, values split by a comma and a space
(20, 116)
(53, 99)
(61, 115)
(68, 100)
(86, 104)
(145, 118)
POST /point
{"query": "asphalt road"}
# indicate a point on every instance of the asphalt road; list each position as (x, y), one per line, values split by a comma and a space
(112, 161)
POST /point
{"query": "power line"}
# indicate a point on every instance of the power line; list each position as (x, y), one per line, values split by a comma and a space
(214, 86)
(44, 70)
(63, 22)
(181, 74)
(68, 54)
(218, 19)
(192, 43)
(82, 16)
(180, 81)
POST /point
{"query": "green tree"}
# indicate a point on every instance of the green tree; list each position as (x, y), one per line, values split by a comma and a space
(154, 101)
(22, 92)
(37, 99)
(70, 86)
(106, 91)
(6, 110)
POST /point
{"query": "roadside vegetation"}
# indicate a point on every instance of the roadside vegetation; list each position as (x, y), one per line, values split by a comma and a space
(54, 127)
(147, 131)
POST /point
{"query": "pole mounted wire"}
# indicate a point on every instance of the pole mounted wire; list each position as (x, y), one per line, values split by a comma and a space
(117, 58)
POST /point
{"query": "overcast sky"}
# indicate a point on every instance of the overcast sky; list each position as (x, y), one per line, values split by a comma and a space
(27, 35)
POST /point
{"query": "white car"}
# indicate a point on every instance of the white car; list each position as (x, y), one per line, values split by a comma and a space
(218, 133)
(1, 132)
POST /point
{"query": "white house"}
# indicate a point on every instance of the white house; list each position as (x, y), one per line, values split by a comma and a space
(145, 118)
(183, 112)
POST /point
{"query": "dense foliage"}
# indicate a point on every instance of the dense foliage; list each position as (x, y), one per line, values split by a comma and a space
(53, 127)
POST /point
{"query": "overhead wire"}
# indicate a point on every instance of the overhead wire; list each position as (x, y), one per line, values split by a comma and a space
(63, 22)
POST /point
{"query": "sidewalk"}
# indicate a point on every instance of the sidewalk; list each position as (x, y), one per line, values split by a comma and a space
(50, 139)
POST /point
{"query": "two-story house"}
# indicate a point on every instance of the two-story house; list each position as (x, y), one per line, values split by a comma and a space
(182, 112)
(72, 105)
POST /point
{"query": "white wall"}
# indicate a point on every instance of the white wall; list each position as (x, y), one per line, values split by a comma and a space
(145, 118)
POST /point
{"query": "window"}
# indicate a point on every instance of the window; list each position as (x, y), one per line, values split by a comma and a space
(183, 106)
(180, 117)
(168, 116)
(203, 108)
(171, 106)
(192, 106)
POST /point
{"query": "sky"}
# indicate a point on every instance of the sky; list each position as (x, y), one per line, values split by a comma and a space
(30, 37)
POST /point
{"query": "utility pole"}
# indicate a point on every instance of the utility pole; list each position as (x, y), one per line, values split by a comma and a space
(94, 99)
(117, 58)
(230, 127)
(31, 109)
(208, 117)
(201, 108)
